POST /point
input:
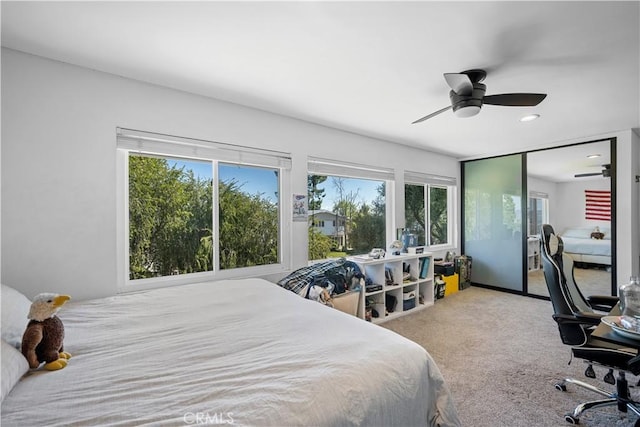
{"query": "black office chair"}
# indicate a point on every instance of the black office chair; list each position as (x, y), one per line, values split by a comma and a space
(576, 319)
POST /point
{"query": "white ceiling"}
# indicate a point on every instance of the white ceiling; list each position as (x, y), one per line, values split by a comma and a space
(366, 67)
(561, 164)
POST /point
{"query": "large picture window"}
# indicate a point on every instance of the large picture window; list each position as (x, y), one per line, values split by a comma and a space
(197, 208)
(347, 209)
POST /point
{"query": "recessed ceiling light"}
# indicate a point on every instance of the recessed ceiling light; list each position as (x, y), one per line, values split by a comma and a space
(593, 156)
(529, 117)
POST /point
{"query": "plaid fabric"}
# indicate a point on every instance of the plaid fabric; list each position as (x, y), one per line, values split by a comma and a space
(301, 279)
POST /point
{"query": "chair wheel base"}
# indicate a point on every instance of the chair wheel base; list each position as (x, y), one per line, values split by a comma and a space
(561, 387)
(589, 372)
(609, 378)
(571, 419)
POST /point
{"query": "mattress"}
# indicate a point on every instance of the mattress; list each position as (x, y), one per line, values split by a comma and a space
(587, 246)
(242, 352)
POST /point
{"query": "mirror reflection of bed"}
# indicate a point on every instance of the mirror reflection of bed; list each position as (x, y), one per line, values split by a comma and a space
(592, 262)
(558, 197)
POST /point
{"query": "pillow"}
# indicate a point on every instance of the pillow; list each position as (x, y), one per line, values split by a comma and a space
(15, 308)
(14, 366)
(578, 232)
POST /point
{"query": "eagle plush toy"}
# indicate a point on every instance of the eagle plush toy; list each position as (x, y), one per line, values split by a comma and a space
(42, 340)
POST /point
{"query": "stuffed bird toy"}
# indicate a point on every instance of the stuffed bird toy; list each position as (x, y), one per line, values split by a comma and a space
(42, 340)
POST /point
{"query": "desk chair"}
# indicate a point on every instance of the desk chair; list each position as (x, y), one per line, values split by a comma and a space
(576, 319)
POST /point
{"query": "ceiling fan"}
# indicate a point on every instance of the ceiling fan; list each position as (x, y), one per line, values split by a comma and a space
(468, 95)
(606, 172)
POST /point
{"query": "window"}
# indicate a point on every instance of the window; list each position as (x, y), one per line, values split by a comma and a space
(428, 205)
(351, 201)
(248, 216)
(415, 211)
(438, 215)
(195, 208)
(170, 218)
(538, 212)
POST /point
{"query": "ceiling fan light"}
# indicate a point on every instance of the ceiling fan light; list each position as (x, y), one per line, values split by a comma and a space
(468, 111)
(529, 117)
(593, 156)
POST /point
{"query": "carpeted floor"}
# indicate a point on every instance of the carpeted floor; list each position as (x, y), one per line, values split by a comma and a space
(501, 355)
(592, 281)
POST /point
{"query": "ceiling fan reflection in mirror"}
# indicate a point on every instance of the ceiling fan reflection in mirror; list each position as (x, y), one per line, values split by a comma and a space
(605, 172)
(467, 95)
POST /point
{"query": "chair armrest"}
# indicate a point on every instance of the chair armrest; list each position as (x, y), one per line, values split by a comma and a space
(581, 318)
(634, 365)
(602, 302)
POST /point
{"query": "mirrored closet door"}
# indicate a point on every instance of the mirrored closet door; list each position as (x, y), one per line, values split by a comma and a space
(570, 188)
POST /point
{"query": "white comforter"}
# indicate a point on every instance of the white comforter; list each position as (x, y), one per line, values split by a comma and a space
(587, 246)
(230, 352)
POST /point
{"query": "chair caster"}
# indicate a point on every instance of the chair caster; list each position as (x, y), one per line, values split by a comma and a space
(589, 372)
(561, 387)
(637, 423)
(609, 378)
(571, 419)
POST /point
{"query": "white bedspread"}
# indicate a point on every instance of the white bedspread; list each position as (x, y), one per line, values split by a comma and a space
(229, 352)
(587, 246)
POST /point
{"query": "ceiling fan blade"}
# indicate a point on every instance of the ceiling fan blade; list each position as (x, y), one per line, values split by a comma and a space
(459, 83)
(431, 115)
(515, 99)
(580, 175)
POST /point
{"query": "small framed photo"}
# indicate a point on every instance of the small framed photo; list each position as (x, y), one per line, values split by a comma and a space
(300, 207)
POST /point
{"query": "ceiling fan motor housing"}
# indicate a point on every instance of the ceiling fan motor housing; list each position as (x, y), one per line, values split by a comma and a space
(469, 105)
(467, 95)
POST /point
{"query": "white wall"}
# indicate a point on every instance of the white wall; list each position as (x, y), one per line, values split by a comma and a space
(628, 206)
(635, 177)
(59, 164)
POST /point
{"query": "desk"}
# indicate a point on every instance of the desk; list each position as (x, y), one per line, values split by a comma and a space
(605, 333)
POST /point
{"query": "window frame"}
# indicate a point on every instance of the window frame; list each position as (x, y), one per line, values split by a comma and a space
(448, 243)
(433, 181)
(535, 195)
(147, 143)
(348, 170)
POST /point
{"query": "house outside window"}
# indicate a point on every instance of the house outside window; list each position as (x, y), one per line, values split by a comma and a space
(198, 216)
(319, 220)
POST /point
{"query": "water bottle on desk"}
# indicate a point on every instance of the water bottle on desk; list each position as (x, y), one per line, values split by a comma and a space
(630, 304)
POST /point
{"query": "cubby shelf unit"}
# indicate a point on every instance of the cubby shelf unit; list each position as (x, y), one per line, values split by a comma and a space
(419, 282)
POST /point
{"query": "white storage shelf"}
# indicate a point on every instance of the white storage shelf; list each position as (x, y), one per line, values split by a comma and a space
(533, 253)
(422, 287)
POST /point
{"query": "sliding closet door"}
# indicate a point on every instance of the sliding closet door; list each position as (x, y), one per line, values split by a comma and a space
(493, 227)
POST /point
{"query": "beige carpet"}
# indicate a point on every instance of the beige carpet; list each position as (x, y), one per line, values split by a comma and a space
(592, 281)
(501, 356)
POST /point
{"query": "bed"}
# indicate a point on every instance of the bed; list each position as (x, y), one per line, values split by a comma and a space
(242, 352)
(581, 247)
